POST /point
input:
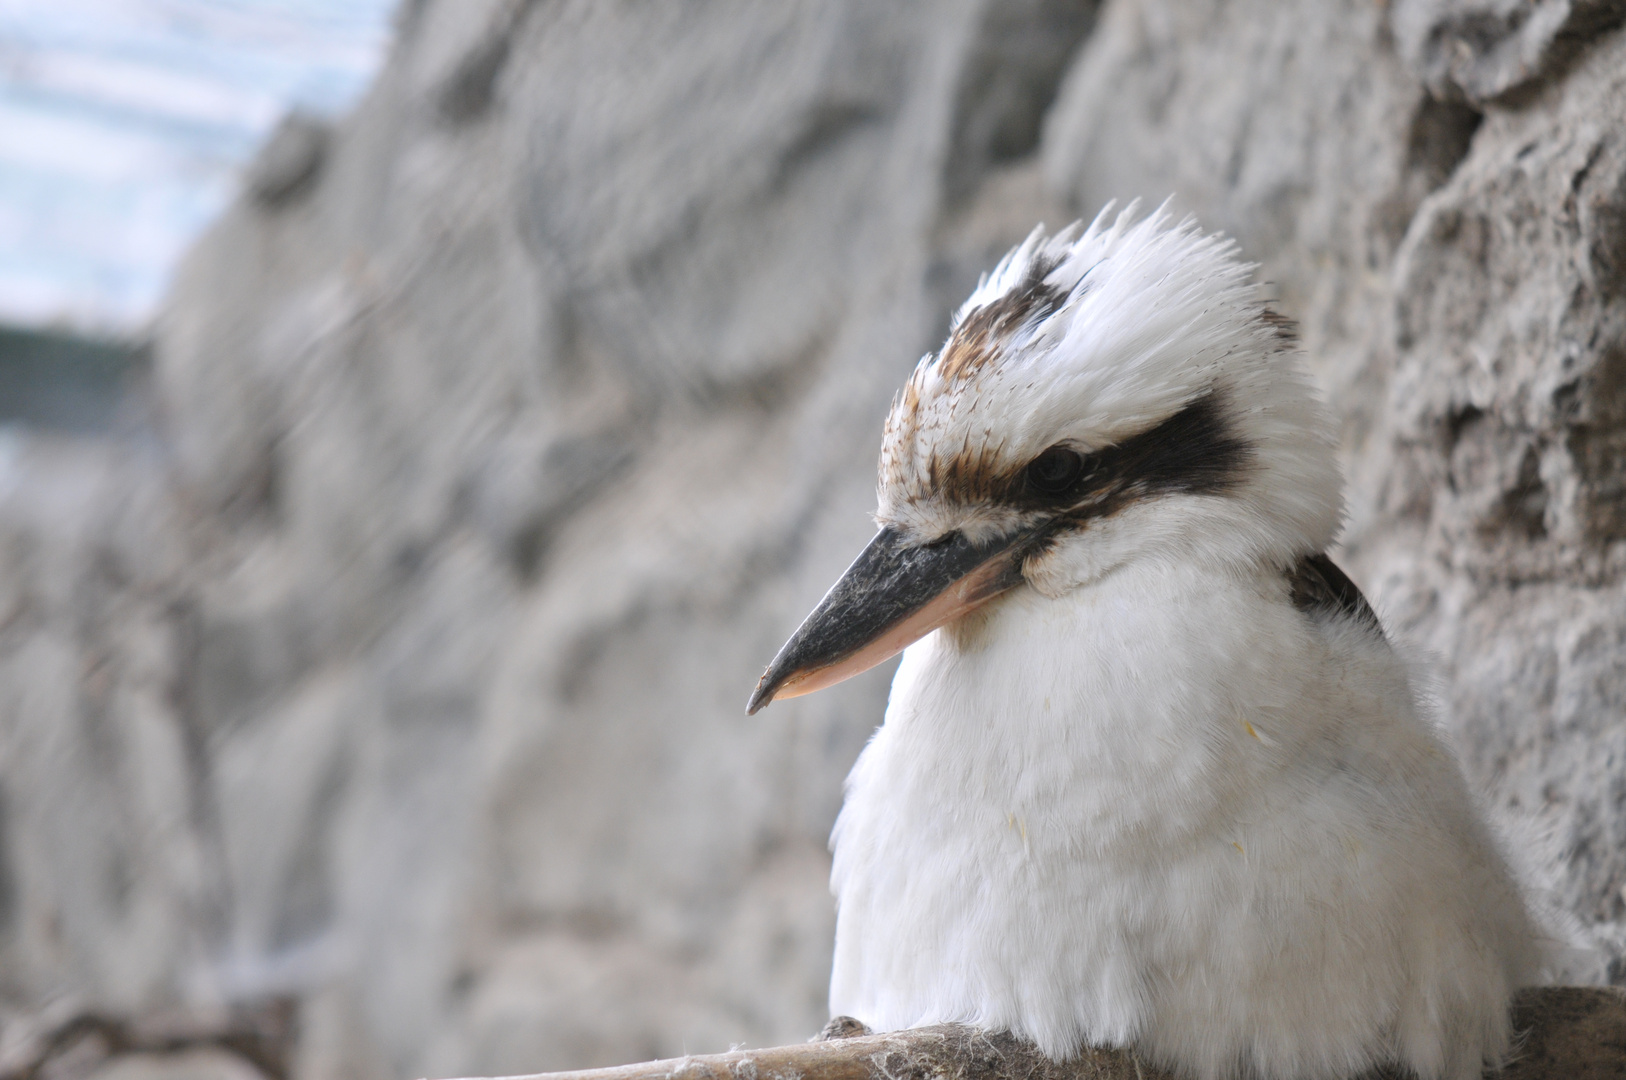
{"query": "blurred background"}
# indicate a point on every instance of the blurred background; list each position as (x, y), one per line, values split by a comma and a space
(422, 421)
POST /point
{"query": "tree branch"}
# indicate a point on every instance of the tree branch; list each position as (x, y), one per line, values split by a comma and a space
(1565, 1033)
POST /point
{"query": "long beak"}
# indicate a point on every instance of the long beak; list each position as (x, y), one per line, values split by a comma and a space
(892, 595)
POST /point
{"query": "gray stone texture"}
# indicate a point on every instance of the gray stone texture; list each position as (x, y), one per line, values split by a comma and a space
(506, 429)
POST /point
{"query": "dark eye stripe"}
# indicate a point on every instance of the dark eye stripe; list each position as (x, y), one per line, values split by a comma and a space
(1195, 451)
(1192, 452)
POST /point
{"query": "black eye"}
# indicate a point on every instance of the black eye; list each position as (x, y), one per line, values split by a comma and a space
(1055, 470)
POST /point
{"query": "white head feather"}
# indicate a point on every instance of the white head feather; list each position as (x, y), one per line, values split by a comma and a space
(1087, 339)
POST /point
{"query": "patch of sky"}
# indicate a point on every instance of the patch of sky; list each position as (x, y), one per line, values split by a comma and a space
(125, 124)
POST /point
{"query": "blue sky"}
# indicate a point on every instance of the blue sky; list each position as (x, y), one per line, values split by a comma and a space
(124, 125)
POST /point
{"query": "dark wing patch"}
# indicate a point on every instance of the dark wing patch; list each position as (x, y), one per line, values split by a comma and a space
(1319, 587)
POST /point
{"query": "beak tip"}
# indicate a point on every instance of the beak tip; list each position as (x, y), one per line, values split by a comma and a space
(761, 697)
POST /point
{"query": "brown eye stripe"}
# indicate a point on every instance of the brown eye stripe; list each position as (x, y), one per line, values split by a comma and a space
(1194, 452)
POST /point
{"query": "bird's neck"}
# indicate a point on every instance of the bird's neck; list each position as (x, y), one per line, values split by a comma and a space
(1130, 701)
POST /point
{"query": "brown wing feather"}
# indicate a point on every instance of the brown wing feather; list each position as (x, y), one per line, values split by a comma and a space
(1319, 587)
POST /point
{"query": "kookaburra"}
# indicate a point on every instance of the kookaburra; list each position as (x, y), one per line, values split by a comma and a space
(1151, 773)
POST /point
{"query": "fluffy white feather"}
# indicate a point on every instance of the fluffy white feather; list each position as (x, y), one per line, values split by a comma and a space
(1144, 798)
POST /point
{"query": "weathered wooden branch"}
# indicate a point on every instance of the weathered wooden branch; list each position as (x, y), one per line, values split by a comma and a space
(1566, 1033)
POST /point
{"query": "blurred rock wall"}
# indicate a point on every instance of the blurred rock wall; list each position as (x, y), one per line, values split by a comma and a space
(507, 429)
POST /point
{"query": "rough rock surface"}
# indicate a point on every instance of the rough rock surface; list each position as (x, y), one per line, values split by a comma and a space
(506, 429)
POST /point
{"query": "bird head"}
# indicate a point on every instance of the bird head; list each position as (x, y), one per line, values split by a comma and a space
(1106, 396)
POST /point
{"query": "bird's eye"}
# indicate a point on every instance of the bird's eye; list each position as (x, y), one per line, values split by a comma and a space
(1055, 470)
